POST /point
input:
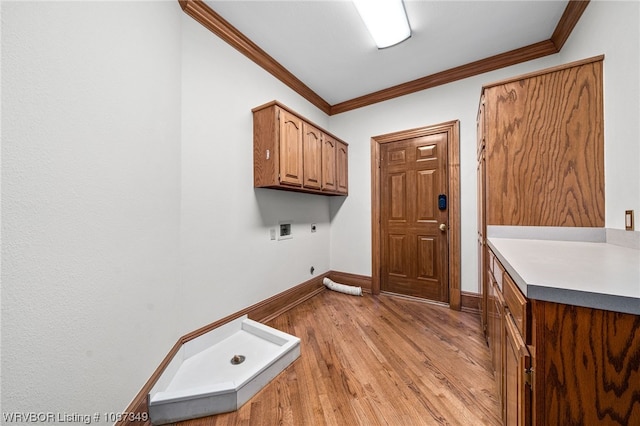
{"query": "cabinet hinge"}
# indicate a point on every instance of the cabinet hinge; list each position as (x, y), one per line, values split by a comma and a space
(528, 377)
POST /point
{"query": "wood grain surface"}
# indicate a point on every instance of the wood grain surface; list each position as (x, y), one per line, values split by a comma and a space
(376, 360)
(545, 149)
(588, 366)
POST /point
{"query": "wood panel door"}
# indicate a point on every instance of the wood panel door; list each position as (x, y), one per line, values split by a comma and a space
(312, 154)
(414, 247)
(290, 148)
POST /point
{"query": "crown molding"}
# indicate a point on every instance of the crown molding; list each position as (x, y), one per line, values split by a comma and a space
(568, 21)
(206, 16)
(492, 63)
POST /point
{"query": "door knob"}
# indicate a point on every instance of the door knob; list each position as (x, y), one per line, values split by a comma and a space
(443, 227)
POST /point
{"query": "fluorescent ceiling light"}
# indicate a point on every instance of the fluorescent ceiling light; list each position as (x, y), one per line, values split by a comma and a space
(386, 20)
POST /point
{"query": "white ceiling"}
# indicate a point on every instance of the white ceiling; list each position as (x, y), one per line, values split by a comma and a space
(325, 44)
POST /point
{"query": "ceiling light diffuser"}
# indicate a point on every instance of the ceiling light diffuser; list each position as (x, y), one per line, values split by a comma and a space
(386, 21)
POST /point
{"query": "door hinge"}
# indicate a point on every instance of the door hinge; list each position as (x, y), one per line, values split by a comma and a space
(528, 377)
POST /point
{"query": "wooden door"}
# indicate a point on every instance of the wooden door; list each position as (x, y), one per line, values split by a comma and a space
(311, 154)
(414, 248)
(328, 164)
(290, 148)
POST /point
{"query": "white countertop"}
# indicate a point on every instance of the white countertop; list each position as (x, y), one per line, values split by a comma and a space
(592, 274)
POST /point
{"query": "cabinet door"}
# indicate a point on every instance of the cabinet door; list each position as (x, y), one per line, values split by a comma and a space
(492, 320)
(342, 167)
(497, 350)
(483, 281)
(329, 149)
(545, 147)
(290, 148)
(480, 126)
(311, 154)
(517, 362)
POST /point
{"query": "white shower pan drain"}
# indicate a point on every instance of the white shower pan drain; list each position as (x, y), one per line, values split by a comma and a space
(221, 370)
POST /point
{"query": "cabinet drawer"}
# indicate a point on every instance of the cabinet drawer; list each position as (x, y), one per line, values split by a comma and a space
(517, 304)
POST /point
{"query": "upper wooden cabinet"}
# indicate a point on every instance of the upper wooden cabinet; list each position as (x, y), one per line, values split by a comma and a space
(291, 148)
(329, 152)
(543, 135)
(291, 153)
(342, 171)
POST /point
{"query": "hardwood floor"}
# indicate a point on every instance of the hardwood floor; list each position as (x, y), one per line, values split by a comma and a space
(381, 360)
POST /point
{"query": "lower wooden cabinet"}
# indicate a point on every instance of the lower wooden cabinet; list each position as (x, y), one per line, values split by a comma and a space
(507, 313)
(517, 369)
(586, 366)
(560, 364)
(497, 332)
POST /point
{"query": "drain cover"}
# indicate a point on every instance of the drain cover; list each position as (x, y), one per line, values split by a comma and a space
(237, 359)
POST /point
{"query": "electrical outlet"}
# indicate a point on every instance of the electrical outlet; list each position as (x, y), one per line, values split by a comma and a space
(628, 220)
(272, 233)
(286, 232)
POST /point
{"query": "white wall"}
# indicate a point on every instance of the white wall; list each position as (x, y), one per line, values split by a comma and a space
(90, 197)
(130, 216)
(610, 28)
(228, 261)
(613, 28)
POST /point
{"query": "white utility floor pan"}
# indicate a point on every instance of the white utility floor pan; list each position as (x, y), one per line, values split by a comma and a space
(203, 378)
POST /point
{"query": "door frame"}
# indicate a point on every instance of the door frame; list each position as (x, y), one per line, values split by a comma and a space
(452, 128)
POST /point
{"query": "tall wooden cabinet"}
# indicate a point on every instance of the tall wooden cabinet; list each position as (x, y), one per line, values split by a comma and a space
(540, 162)
(544, 145)
(291, 153)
